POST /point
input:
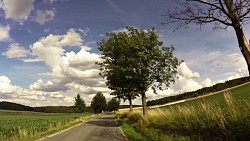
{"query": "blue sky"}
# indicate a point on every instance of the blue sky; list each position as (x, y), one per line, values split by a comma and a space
(48, 48)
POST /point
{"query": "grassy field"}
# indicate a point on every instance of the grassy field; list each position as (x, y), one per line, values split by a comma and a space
(223, 116)
(25, 126)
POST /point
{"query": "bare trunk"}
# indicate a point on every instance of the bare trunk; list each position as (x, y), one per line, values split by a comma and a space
(243, 45)
(144, 103)
(130, 105)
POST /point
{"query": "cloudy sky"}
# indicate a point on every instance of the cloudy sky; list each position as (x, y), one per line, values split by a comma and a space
(48, 48)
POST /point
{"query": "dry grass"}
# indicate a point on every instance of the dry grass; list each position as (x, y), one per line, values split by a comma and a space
(204, 121)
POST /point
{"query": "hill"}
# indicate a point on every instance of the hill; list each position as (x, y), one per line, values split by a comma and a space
(14, 106)
(201, 92)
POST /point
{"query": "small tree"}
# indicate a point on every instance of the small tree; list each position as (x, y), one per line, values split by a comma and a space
(136, 60)
(113, 105)
(79, 104)
(99, 103)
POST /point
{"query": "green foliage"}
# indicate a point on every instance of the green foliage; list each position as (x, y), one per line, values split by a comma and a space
(113, 105)
(55, 109)
(79, 104)
(14, 106)
(136, 60)
(99, 103)
(15, 125)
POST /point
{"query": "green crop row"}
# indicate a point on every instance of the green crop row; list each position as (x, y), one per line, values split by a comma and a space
(28, 126)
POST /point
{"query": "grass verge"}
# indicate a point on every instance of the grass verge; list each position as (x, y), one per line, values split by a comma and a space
(202, 121)
(129, 131)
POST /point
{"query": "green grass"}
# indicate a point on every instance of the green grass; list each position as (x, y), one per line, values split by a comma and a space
(130, 132)
(224, 116)
(241, 93)
(19, 125)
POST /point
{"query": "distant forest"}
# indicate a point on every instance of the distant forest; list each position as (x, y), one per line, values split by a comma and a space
(202, 91)
(46, 109)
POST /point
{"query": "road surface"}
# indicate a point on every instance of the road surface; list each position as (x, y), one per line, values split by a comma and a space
(102, 128)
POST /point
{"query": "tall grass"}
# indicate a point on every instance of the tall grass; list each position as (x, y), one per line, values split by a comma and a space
(203, 121)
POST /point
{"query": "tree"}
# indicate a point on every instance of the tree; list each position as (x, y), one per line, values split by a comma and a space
(99, 103)
(141, 62)
(223, 13)
(116, 66)
(113, 105)
(79, 103)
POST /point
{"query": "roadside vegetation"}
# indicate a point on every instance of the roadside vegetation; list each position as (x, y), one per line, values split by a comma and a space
(24, 126)
(219, 117)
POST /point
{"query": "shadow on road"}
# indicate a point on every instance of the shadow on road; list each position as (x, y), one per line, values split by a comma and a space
(105, 121)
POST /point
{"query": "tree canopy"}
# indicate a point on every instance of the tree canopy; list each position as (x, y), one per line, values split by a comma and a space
(99, 103)
(79, 104)
(135, 60)
(113, 105)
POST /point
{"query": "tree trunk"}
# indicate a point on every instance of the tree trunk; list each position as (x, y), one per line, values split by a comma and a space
(144, 103)
(243, 45)
(130, 105)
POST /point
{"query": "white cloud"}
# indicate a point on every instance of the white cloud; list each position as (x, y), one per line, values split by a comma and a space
(49, 86)
(120, 30)
(207, 82)
(5, 85)
(4, 33)
(16, 51)
(32, 97)
(17, 9)
(50, 48)
(184, 71)
(184, 84)
(43, 16)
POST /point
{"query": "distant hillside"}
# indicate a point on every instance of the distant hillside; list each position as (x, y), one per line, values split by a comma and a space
(200, 92)
(14, 106)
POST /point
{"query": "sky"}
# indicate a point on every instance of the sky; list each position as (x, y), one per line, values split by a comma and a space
(48, 48)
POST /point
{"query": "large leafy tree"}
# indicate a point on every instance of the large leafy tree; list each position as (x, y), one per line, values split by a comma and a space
(136, 60)
(98, 103)
(223, 13)
(79, 104)
(116, 66)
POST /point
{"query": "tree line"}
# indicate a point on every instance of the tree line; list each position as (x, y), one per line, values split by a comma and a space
(98, 105)
(202, 91)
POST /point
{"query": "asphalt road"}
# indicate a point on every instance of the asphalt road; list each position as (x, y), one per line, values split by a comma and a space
(102, 128)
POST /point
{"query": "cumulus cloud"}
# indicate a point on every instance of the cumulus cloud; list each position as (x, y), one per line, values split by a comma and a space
(17, 9)
(50, 48)
(207, 82)
(72, 72)
(184, 84)
(184, 71)
(49, 86)
(16, 51)
(4, 33)
(43, 16)
(32, 96)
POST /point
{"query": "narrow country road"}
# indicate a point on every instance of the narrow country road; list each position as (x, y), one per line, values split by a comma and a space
(102, 128)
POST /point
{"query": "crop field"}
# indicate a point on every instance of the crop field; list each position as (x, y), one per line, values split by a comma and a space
(223, 116)
(31, 125)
